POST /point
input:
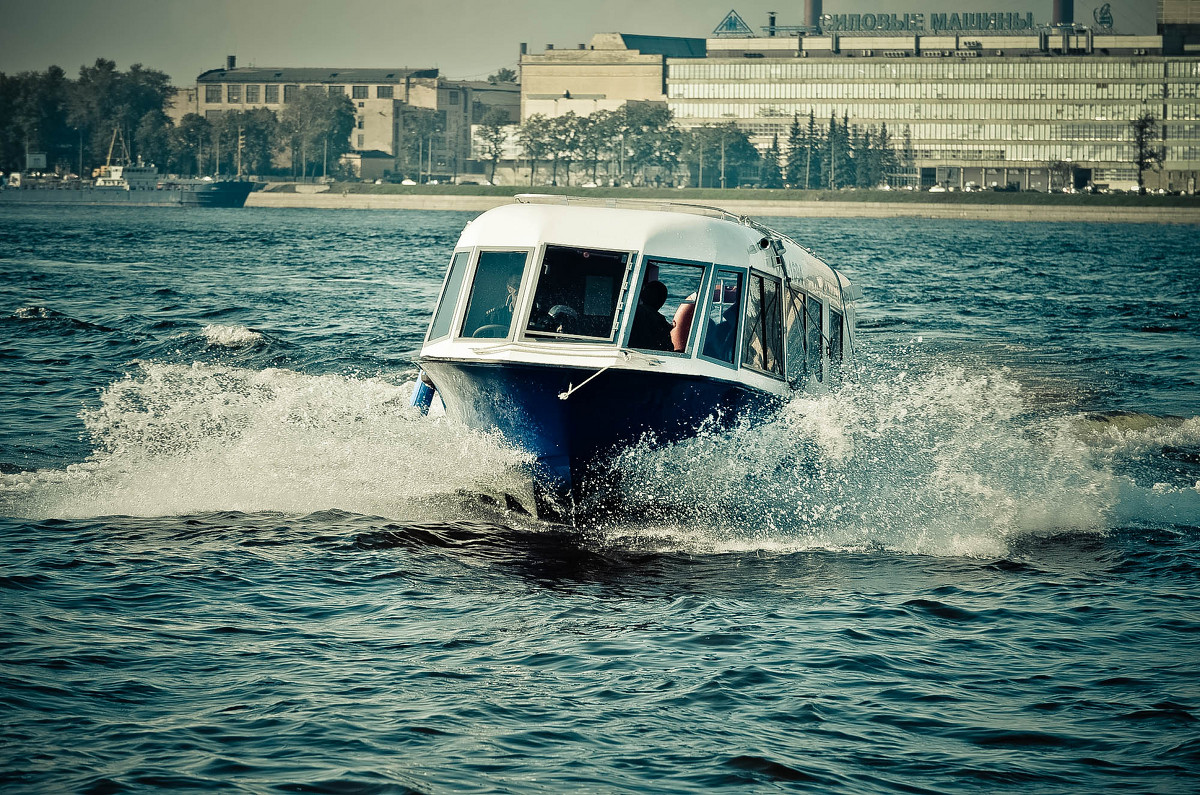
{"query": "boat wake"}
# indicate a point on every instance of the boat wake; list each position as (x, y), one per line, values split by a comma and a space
(945, 461)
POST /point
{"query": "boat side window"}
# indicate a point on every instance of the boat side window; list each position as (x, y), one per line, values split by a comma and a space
(763, 340)
(444, 315)
(722, 315)
(793, 319)
(813, 314)
(679, 287)
(578, 293)
(835, 335)
(493, 295)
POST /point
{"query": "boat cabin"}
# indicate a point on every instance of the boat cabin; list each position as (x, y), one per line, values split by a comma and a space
(641, 284)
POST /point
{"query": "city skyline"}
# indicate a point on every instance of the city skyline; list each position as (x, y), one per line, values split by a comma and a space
(187, 37)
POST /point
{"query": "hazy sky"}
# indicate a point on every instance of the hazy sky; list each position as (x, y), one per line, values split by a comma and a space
(463, 38)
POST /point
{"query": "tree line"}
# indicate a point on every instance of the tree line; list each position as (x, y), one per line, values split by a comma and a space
(73, 123)
(640, 144)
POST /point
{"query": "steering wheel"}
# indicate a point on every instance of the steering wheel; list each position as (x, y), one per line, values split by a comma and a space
(491, 330)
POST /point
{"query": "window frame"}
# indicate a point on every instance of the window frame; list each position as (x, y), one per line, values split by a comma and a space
(822, 311)
(780, 355)
(836, 345)
(737, 345)
(636, 294)
(456, 326)
(470, 252)
(615, 334)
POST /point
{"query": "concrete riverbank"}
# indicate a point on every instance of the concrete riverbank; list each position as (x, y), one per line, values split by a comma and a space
(765, 208)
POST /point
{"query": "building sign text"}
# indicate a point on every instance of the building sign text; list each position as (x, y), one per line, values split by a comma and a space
(938, 23)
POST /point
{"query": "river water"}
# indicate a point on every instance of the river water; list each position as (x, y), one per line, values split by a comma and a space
(235, 559)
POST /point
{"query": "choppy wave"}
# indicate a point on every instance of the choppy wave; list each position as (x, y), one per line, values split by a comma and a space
(942, 462)
(231, 336)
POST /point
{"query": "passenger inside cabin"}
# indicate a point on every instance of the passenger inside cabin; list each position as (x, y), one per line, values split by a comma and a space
(682, 325)
(651, 331)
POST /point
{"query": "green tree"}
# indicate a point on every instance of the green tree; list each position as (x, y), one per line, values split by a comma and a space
(814, 156)
(139, 91)
(562, 143)
(249, 140)
(888, 161)
(649, 138)
(797, 150)
(533, 135)
(1147, 153)
(10, 138)
(597, 136)
(189, 145)
(864, 156)
(152, 138)
(772, 175)
(838, 160)
(493, 132)
(37, 116)
(718, 156)
(317, 127)
(421, 130)
(104, 99)
(502, 75)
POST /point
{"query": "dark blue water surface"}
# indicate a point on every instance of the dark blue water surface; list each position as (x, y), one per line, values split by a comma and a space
(233, 558)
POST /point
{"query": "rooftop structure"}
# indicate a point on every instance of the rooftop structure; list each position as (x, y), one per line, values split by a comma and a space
(614, 68)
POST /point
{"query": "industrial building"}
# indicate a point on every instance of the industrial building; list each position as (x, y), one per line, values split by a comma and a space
(984, 98)
(382, 98)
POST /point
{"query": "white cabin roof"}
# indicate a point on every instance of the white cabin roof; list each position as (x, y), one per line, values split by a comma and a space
(654, 229)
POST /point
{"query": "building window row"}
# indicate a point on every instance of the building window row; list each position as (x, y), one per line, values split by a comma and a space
(876, 112)
(232, 93)
(917, 69)
(892, 91)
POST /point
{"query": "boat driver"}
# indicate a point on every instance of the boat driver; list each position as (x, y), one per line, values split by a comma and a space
(651, 330)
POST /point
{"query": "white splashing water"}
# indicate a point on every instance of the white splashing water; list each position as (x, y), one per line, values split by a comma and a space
(951, 463)
(231, 336)
(948, 463)
(173, 439)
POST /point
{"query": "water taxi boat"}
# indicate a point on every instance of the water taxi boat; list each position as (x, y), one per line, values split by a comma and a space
(576, 326)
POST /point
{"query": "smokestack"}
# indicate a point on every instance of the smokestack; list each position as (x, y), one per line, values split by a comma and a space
(770, 23)
(812, 14)
(230, 62)
(1063, 13)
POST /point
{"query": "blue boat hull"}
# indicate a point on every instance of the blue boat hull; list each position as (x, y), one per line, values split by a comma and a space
(574, 439)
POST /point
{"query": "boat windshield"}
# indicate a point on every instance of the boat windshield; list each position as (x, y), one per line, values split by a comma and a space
(578, 294)
(494, 293)
(440, 327)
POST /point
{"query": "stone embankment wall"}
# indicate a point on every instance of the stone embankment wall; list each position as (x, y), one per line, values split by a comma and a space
(792, 209)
